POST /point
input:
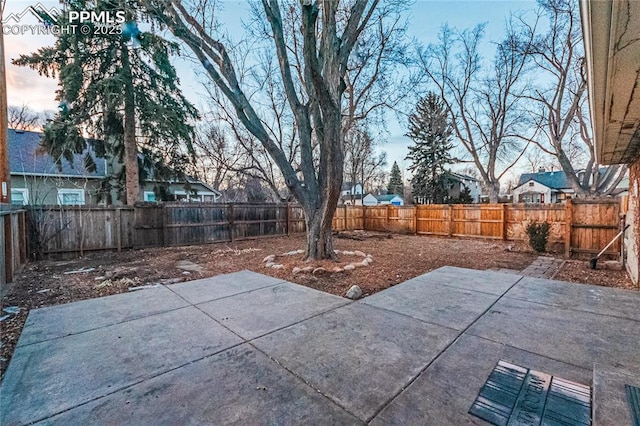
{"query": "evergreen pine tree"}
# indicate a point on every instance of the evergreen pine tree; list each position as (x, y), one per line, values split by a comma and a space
(118, 86)
(395, 181)
(430, 129)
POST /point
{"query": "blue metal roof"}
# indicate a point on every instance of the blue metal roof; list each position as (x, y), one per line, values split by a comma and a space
(553, 180)
(27, 157)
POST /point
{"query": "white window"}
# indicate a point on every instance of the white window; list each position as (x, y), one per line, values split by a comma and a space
(71, 197)
(149, 196)
(19, 196)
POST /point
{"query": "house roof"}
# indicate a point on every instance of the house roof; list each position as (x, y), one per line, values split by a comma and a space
(553, 180)
(26, 158)
(387, 197)
(459, 176)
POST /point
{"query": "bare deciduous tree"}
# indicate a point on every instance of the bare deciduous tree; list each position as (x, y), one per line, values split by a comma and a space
(362, 164)
(483, 100)
(558, 106)
(314, 97)
(24, 118)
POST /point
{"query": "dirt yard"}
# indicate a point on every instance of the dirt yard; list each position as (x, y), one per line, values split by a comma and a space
(395, 258)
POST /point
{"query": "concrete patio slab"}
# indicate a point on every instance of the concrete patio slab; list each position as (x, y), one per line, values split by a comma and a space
(443, 394)
(145, 359)
(491, 282)
(238, 386)
(576, 337)
(220, 286)
(611, 406)
(53, 376)
(582, 297)
(63, 320)
(358, 355)
(438, 304)
(262, 311)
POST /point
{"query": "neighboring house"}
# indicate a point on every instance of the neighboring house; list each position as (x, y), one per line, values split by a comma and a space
(393, 199)
(36, 179)
(456, 182)
(349, 188)
(542, 187)
(552, 187)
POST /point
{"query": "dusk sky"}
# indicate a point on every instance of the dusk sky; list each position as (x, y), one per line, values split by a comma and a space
(25, 86)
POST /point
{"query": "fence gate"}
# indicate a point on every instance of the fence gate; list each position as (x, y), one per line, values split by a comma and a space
(593, 224)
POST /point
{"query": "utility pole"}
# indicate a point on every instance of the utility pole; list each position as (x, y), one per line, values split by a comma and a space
(5, 177)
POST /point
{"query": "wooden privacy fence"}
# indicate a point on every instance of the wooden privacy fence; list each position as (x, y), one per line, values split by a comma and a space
(583, 226)
(79, 229)
(13, 244)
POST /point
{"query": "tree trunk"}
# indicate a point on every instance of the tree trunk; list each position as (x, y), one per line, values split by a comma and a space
(130, 147)
(493, 190)
(319, 237)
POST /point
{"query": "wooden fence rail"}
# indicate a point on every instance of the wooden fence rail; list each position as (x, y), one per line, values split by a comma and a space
(583, 226)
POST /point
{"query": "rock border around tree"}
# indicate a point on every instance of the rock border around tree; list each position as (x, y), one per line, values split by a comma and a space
(270, 262)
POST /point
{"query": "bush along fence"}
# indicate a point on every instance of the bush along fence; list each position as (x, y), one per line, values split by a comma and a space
(581, 226)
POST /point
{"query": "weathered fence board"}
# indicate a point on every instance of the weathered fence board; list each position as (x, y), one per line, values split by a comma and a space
(584, 226)
(13, 244)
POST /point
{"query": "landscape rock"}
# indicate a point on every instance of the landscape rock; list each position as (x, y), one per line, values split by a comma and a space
(369, 258)
(354, 292)
(187, 265)
(319, 270)
(307, 269)
(296, 270)
(336, 251)
(365, 261)
(300, 251)
(269, 264)
(348, 253)
(359, 264)
(277, 266)
(349, 267)
(613, 265)
(270, 258)
(292, 253)
(359, 253)
(338, 269)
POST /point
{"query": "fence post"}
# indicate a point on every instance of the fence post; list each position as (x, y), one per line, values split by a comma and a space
(504, 221)
(165, 222)
(345, 218)
(119, 229)
(231, 222)
(23, 236)
(387, 227)
(288, 216)
(568, 218)
(364, 216)
(450, 220)
(415, 219)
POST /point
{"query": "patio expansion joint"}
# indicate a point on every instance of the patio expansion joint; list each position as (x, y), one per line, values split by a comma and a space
(136, 382)
(363, 301)
(454, 341)
(101, 327)
(476, 290)
(567, 308)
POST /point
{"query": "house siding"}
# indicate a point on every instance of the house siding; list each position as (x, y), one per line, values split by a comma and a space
(43, 190)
